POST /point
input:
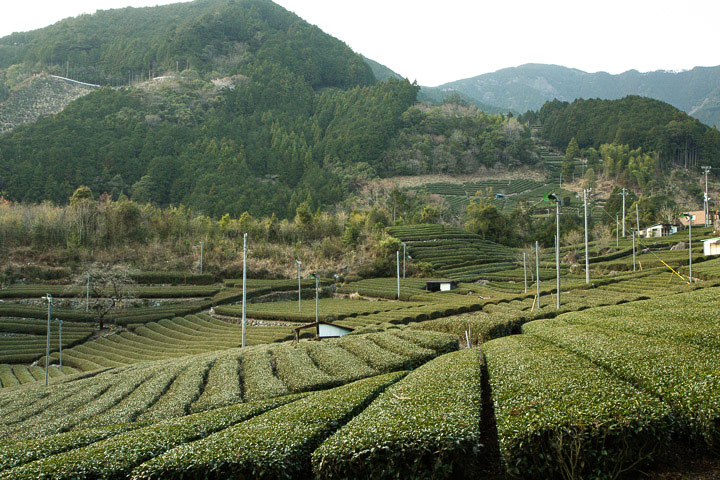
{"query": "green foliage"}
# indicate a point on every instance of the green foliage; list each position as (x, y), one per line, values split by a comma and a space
(559, 415)
(638, 122)
(675, 371)
(418, 428)
(138, 445)
(485, 220)
(277, 444)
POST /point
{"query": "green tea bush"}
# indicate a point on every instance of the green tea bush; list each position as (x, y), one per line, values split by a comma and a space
(560, 416)
(425, 426)
(275, 445)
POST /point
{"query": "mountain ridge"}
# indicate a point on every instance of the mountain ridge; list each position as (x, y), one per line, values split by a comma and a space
(529, 86)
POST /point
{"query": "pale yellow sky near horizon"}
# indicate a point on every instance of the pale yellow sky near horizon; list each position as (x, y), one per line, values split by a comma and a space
(434, 42)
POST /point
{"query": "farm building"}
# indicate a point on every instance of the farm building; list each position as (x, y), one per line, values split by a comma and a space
(323, 330)
(658, 230)
(440, 285)
(698, 218)
(711, 246)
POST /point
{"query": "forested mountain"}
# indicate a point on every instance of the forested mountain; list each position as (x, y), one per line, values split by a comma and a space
(267, 113)
(638, 122)
(527, 87)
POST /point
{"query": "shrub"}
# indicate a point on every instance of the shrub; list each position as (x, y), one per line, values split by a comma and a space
(559, 415)
(421, 427)
(274, 445)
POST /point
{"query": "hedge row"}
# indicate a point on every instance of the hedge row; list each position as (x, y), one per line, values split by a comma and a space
(425, 426)
(117, 456)
(297, 370)
(337, 362)
(19, 452)
(223, 386)
(275, 445)
(559, 415)
(681, 374)
(259, 379)
(173, 278)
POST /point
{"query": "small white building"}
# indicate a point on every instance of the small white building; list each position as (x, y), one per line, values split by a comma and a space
(658, 230)
(323, 330)
(711, 246)
(440, 285)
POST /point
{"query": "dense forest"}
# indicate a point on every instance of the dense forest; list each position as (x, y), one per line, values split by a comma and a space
(675, 137)
(267, 114)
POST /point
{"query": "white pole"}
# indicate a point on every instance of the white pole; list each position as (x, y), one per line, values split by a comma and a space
(201, 257)
(690, 247)
(633, 249)
(557, 249)
(525, 270)
(317, 297)
(60, 339)
(637, 218)
(244, 296)
(537, 271)
(624, 194)
(398, 274)
(617, 232)
(299, 287)
(87, 294)
(404, 247)
(587, 257)
(47, 345)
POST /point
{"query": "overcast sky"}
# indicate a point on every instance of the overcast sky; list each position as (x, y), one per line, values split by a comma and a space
(435, 42)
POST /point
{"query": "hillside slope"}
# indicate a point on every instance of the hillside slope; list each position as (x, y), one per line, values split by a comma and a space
(40, 96)
(528, 86)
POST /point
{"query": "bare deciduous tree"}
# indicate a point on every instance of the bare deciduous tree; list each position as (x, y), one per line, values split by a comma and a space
(110, 286)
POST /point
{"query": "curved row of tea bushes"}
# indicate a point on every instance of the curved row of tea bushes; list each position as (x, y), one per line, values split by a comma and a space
(425, 426)
(559, 415)
(223, 385)
(275, 445)
(116, 456)
(19, 452)
(683, 375)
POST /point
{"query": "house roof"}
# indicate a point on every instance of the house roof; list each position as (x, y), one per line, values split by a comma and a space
(440, 281)
(712, 240)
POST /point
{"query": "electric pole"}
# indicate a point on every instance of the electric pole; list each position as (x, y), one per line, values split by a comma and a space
(49, 299)
(586, 192)
(202, 244)
(404, 255)
(637, 218)
(617, 232)
(525, 270)
(537, 271)
(299, 264)
(398, 273)
(706, 170)
(624, 194)
(244, 296)
(60, 339)
(317, 296)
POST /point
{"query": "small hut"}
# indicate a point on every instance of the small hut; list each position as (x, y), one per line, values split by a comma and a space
(323, 330)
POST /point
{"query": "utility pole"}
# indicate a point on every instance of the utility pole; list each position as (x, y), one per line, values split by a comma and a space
(587, 258)
(706, 170)
(398, 274)
(617, 232)
(689, 219)
(637, 218)
(404, 255)
(557, 247)
(633, 248)
(87, 294)
(525, 270)
(537, 271)
(317, 296)
(60, 339)
(244, 297)
(49, 299)
(299, 264)
(624, 194)
(202, 244)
